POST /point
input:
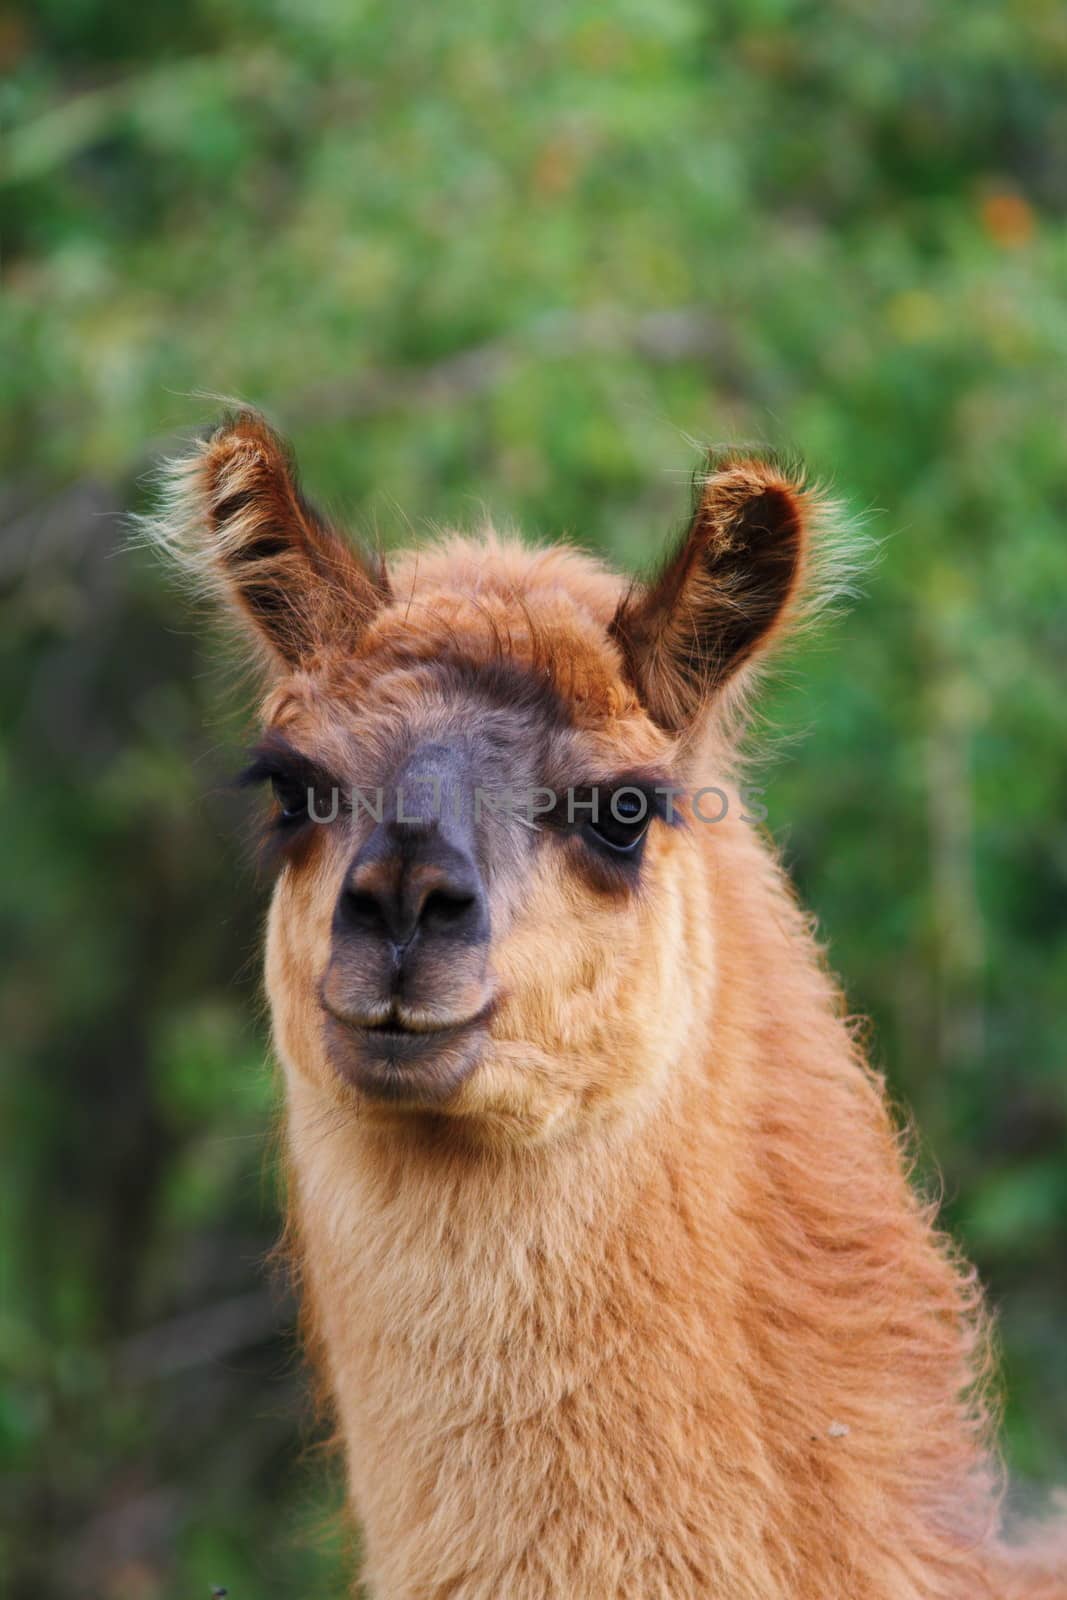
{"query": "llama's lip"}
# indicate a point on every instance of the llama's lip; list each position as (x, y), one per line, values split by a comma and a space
(408, 1024)
(392, 1061)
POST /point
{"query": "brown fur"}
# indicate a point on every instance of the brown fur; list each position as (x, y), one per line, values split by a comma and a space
(648, 1308)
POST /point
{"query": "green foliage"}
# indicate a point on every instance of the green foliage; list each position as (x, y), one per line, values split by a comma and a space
(514, 257)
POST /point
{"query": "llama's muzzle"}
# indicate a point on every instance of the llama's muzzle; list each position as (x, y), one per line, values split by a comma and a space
(406, 992)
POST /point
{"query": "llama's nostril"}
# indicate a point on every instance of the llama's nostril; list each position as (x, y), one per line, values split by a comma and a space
(445, 908)
(364, 911)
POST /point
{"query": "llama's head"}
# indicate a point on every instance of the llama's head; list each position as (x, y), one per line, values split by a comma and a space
(479, 760)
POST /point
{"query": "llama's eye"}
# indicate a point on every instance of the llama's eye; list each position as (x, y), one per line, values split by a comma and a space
(622, 820)
(292, 797)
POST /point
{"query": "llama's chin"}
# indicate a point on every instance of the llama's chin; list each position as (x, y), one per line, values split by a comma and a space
(400, 1068)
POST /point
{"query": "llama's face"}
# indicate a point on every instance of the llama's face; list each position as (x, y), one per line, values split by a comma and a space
(486, 858)
(482, 924)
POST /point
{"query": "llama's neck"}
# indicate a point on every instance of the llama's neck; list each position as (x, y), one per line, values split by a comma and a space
(726, 1333)
(507, 1269)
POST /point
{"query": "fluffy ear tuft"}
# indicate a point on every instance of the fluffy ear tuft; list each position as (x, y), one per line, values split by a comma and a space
(234, 518)
(724, 593)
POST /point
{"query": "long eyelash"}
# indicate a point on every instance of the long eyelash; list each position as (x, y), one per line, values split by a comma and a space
(269, 761)
(646, 783)
(261, 769)
(661, 806)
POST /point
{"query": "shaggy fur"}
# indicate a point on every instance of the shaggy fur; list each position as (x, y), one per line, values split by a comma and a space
(649, 1308)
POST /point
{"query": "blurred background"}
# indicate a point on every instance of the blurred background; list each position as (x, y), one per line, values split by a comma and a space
(515, 257)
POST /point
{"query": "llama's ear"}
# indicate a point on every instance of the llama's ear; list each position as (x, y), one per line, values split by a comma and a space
(721, 595)
(234, 517)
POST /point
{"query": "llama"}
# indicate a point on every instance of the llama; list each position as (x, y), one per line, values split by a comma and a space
(610, 1264)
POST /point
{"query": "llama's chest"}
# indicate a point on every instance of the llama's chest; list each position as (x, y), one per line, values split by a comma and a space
(502, 1479)
(540, 1441)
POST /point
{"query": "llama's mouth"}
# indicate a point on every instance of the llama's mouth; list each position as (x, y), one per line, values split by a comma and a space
(406, 1060)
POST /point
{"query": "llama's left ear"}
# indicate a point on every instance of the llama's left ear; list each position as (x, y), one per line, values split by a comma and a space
(722, 594)
(234, 517)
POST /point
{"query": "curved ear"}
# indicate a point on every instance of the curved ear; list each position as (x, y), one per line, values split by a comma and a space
(234, 517)
(722, 595)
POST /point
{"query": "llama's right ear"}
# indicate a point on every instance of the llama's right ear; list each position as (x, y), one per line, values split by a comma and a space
(722, 594)
(234, 517)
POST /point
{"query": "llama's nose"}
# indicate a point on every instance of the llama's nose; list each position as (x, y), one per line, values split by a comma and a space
(410, 880)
